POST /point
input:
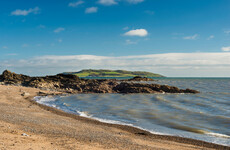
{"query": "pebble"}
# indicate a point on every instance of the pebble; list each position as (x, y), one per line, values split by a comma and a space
(25, 94)
(24, 134)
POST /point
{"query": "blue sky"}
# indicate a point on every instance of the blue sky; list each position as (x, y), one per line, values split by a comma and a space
(79, 30)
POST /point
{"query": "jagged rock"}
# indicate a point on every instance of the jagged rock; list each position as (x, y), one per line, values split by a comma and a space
(139, 78)
(13, 78)
(73, 84)
(125, 87)
(190, 91)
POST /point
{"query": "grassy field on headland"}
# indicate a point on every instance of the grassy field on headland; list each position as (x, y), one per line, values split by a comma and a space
(112, 73)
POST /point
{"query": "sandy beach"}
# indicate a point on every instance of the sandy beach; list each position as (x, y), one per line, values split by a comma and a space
(24, 124)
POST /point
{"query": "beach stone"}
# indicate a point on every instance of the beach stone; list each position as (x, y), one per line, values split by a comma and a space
(25, 94)
(24, 134)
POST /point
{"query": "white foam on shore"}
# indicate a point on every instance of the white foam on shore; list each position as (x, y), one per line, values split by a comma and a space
(86, 115)
(217, 135)
(44, 99)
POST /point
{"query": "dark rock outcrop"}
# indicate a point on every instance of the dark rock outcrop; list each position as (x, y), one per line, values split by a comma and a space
(73, 84)
(149, 88)
(139, 78)
(13, 78)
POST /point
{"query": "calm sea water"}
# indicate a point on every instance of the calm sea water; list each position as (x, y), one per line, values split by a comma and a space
(204, 116)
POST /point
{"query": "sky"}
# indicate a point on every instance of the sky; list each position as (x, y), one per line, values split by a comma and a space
(176, 38)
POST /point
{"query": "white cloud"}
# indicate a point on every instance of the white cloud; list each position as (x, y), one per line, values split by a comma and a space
(107, 2)
(130, 42)
(125, 28)
(75, 4)
(59, 40)
(135, 1)
(60, 29)
(41, 26)
(91, 10)
(226, 49)
(12, 54)
(177, 34)
(5, 47)
(25, 45)
(25, 12)
(227, 31)
(137, 32)
(169, 64)
(150, 12)
(193, 37)
(211, 37)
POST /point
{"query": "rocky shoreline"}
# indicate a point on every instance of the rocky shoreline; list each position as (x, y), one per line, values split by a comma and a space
(73, 84)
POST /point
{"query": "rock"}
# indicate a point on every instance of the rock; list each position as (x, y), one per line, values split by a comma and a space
(190, 91)
(42, 93)
(24, 134)
(13, 78)
(139, 78)
(125, 87)
(73, 84)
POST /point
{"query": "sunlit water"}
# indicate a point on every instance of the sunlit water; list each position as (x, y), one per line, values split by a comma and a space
(204, 116)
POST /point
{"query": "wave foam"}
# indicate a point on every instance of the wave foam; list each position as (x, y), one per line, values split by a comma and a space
(218, 135)
(87, 115)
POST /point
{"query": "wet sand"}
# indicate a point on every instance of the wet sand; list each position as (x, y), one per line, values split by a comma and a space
(24, 124)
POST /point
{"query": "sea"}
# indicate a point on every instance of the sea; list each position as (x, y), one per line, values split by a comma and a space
(204, 116)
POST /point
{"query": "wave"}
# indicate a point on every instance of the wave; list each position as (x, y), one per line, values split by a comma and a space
(53, 102)
(44, 99)
(87, 115)
(218, 135)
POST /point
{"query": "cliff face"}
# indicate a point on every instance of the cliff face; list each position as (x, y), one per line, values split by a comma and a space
(73, 84)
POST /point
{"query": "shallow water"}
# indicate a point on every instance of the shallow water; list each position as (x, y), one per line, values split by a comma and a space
(204, 116)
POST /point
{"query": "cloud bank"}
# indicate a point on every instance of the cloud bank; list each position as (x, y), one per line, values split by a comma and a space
(169, 64)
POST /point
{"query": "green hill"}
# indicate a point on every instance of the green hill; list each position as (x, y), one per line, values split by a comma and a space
(112, 73)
